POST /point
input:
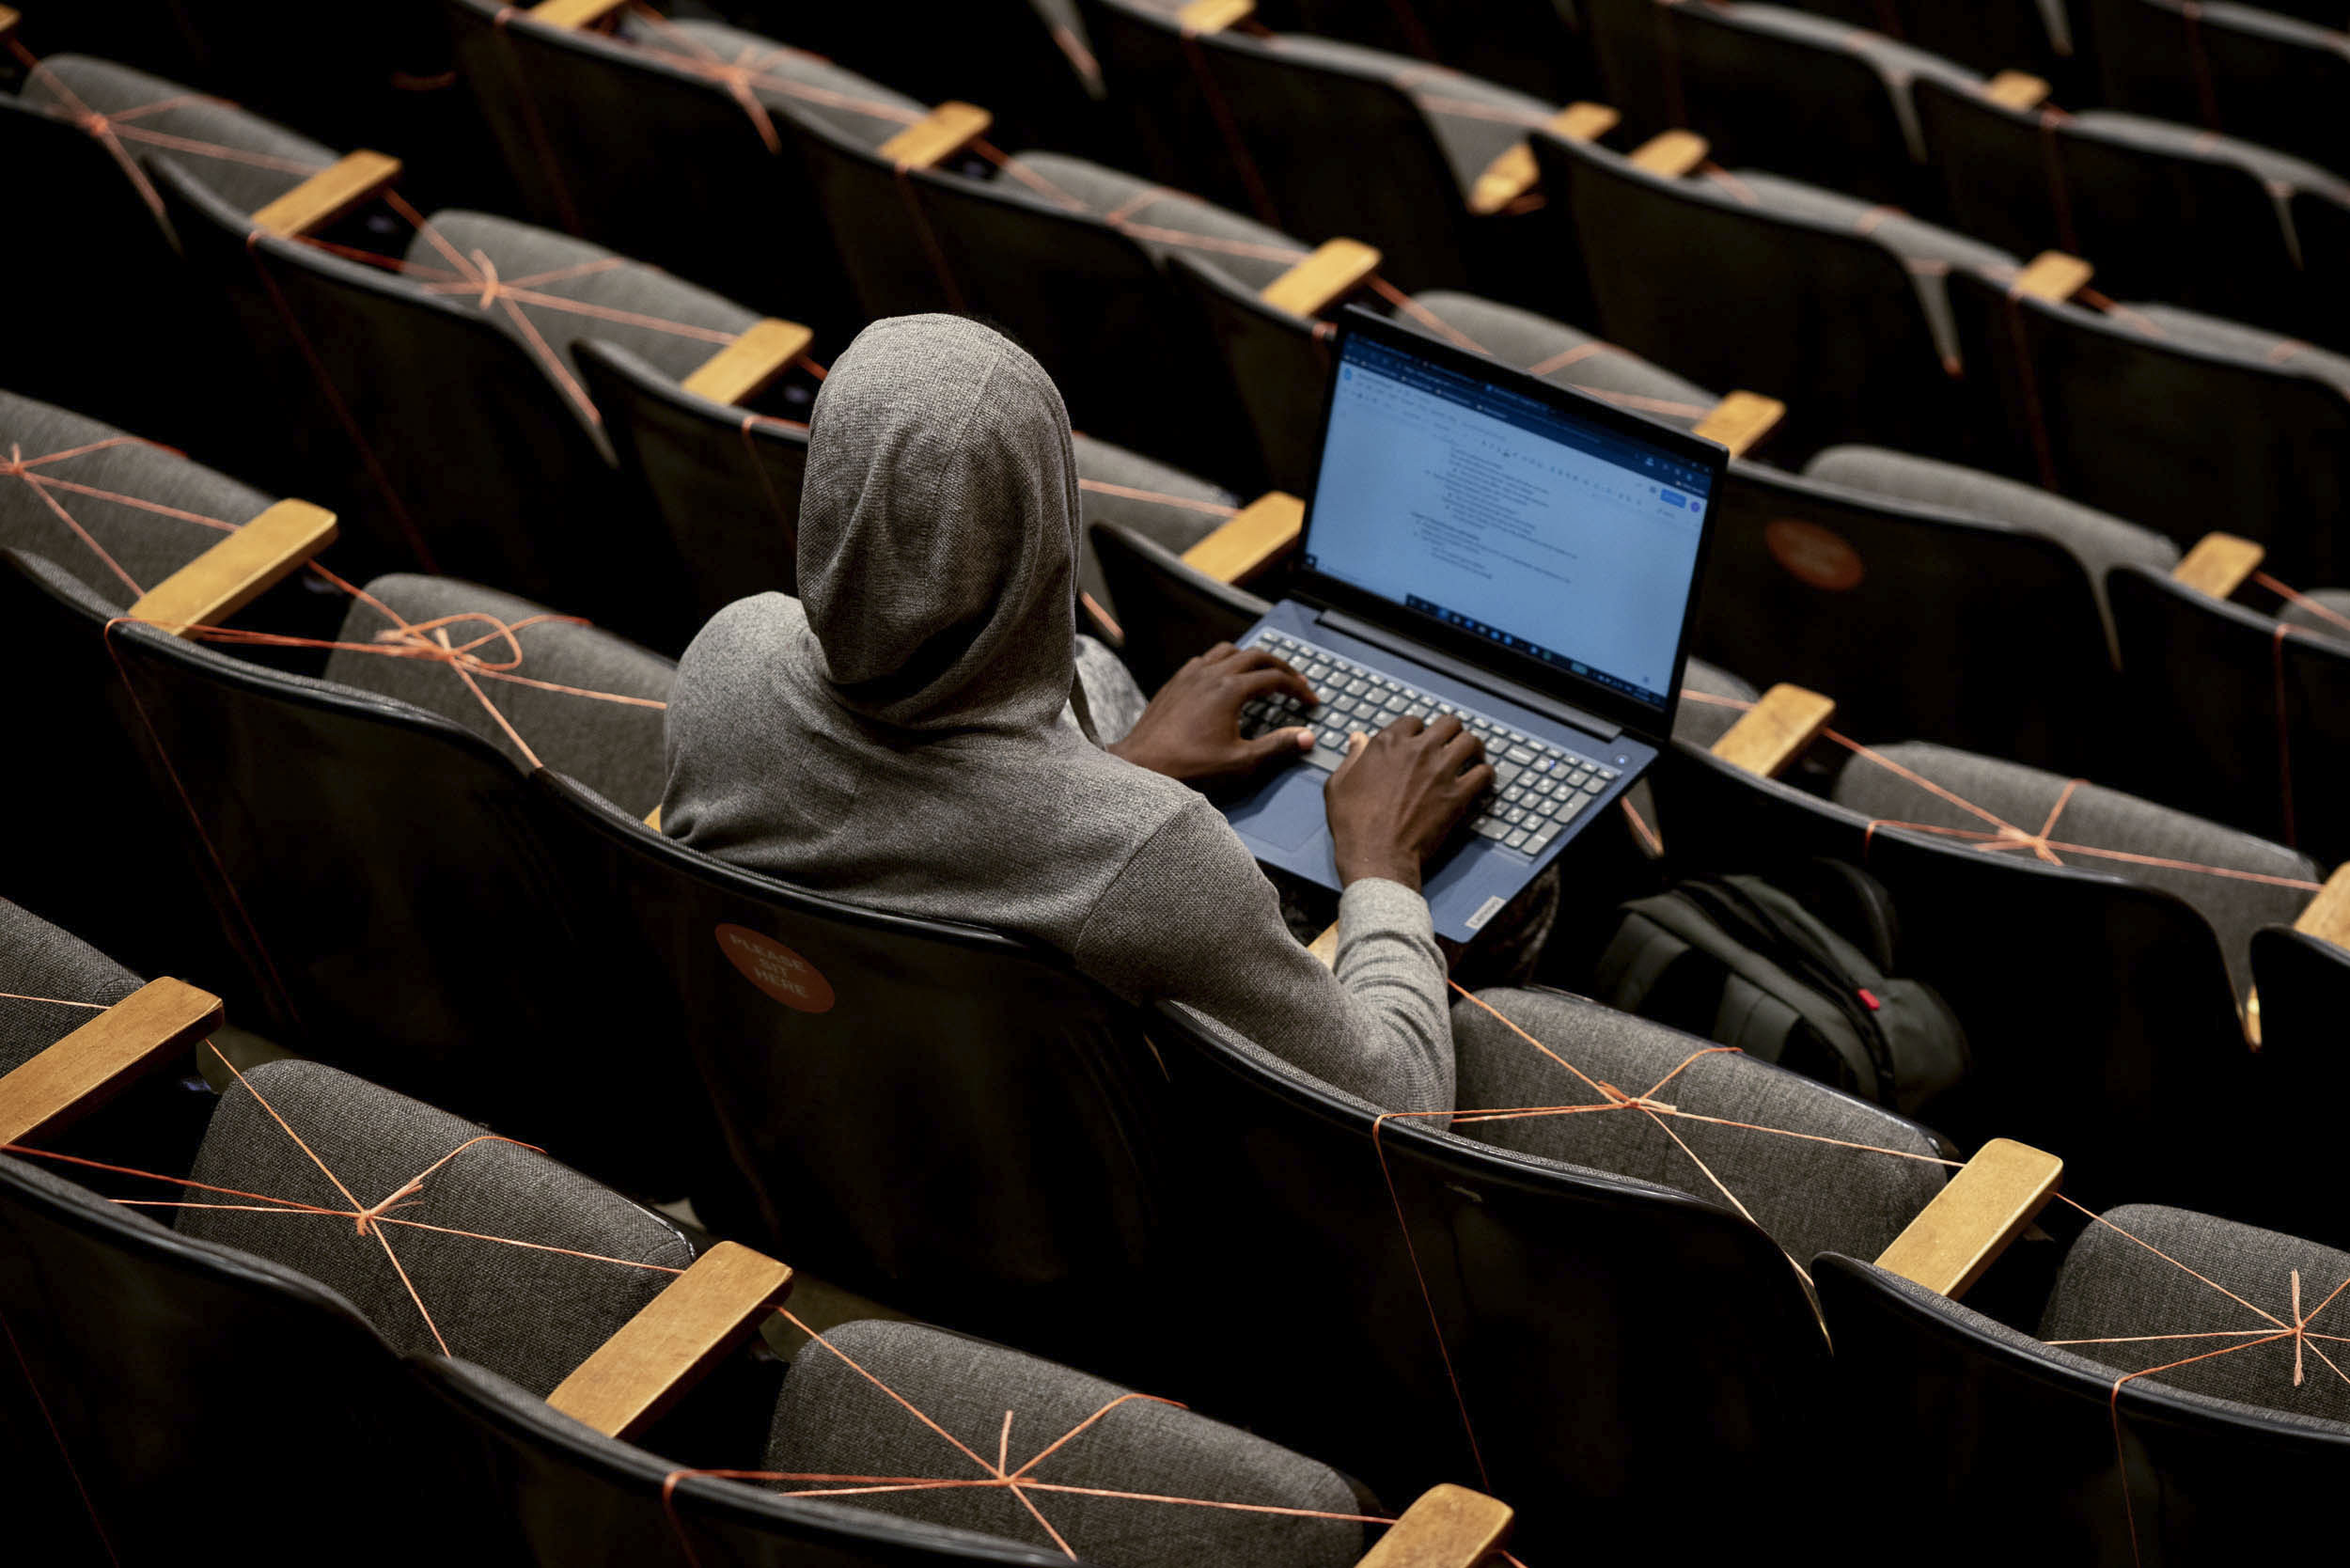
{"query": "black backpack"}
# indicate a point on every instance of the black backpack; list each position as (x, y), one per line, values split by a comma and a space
(1746, 964)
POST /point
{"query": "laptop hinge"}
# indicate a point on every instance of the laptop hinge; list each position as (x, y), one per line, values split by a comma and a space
(1550, 707)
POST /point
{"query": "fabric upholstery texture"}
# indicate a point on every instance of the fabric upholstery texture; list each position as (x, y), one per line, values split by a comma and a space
(1566, 356)
(2098, 817)
(1929, 252)
(524, 256)
(2099, 540)
(1157, 219)
(528, 1315)
(612, 747)
(1475, 121)
(831, 1420)
(2111, 1287)
(1897, 63)
(2335, 624)
(785, 79)
(2162, 135)
(274, 161)
(1700, 723)
(39, 960)
(1171, 508)
(2249, 345)
(148, 545)
(1810, 1198)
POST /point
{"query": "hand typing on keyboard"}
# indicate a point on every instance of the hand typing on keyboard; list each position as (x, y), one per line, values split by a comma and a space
(1399, 796)
(1193, 729)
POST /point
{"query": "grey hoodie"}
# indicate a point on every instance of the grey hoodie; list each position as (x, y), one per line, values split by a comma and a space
(902, 734)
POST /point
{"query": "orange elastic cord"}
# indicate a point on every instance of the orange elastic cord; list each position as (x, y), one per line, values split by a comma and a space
(19, 467)
(1235, 145)
(566, 211)
(1419, 1276)
(1426, 317)
(55, 1433)
(53, 1001)
(1648, 835)
(1126, 491)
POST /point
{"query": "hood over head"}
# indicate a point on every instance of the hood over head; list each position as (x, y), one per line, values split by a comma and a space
(938, 529)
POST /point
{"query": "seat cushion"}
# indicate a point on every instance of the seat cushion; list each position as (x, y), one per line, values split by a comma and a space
(783, 78)
(53, 982)
(1561, 354)
(244, 159)
(612, 747)
(528, 1314)
(1896, 64)
(834, 1420)
(1700, 723)
(2282, 173)
(568, 291)
(1171, 508)
(1475, 121)
(1156, 218)
(2246, 345)
(2274, 884)
(2101, 541)
(1929, 252)
(2326, 612)
(98, 490)
(2113, 1287)
(1810, 1196)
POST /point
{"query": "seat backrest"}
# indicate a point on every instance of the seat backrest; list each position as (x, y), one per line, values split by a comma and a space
(1170, 612)
(1277, 368)
(1726, 295)
(1159, 82)
(50, 983)
(1805, 578)
(640, 143)
(2158, 430)
(2264, 708)
(2007, 1438)
(2268, 78)
(1996, 166)
(1532, 46)
(935, 1115)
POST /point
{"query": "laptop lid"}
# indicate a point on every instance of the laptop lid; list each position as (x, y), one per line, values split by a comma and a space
(1537, 533)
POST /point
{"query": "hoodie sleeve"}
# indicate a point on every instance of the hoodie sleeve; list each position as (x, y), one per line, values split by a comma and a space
(1191, 920)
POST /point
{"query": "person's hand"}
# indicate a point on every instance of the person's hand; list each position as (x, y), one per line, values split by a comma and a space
(1191, 730)
(1400, 794)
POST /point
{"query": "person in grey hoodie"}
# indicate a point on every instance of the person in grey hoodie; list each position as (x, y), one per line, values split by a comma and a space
(911, 734)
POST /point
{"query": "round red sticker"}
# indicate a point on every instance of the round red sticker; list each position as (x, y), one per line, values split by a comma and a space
(1814, 555)
(776, 969)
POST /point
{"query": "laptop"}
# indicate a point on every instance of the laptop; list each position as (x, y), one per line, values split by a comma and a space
(1481, 544)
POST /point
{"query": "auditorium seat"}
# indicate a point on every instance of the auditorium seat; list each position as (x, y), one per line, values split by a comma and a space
(1736, 278)
(2048, 1432)
(1535, 47)
(1808, 96)
(2041, 35)
(2274, 79)
(2164, 417)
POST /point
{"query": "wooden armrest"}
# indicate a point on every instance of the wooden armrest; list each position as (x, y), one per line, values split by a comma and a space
(660, 1353)
(744, 368)
(573, 14)
(1451, 1527)
(938, 135)
(2327, 917)
(1512, 174)
(2016, 89)
(327, 195)
(653, 819)
(1670, 155)
(1214, 16)
(2053, 276)
(238, 570)
(1254, 538)
(1742, 419)
(1325, 947)
(1768, 737)
(86, 1068)
(2218, 564)
(1334, 271)
(1970, 1222)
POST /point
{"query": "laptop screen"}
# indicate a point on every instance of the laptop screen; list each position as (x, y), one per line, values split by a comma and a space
(1564, 539)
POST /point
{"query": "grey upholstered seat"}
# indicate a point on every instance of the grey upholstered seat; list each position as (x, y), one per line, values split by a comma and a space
(2114, 1289)
(256, 161)
(148, 545)
(1171, 508)
(2260, 892)
(2334, 622)
(783, 77)
(1561, 353)
(1475, 121)
(2099, 540)
(833, 1421)
(1928, 252)
(2282, 171)
(72, 978)
(1898, 64)
(528, 1314)
(544, 264)
(1700, 723)
(2249, 345)
(1157, 218)
(612, 747)
(1810, 1196)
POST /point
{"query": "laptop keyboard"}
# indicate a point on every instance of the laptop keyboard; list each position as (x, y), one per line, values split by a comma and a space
(1538, 788)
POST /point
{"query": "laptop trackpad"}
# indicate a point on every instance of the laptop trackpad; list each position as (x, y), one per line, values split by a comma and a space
(1286, 813)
